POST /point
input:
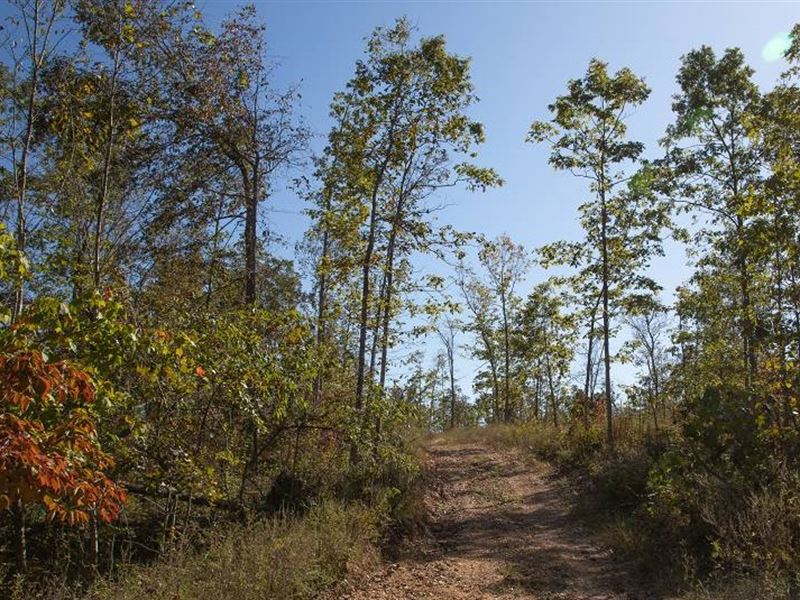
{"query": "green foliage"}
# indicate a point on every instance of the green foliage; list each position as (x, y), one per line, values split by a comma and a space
(144, 313)
(624, 219)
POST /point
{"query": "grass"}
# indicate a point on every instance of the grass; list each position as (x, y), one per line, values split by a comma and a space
(753, 558)
(280, 558)
(610, 487)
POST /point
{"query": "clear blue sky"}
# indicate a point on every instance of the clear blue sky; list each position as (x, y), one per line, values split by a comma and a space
(522, 54)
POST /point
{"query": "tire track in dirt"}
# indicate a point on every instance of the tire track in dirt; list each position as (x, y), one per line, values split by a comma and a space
(500, 528)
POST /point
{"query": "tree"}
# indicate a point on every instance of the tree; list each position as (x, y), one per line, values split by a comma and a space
(588, 137)
(506, 264)
(481, 308)
(545, 339)
(447, 333)
(716, 172)
(225, 100)
(776, 130)
(398, 129)
(39, 19)
(649, 325)
(50, 455)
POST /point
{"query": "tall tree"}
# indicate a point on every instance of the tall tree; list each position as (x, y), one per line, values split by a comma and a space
(399, 127)
(545, 336)
(588, 137)
(716, 170)
(447, 332)
(506, 264)
(226, 100)
(649, 326)
(37, 21)
(480, 306)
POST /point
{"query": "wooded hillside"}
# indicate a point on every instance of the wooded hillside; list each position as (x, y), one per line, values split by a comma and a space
(170, 381)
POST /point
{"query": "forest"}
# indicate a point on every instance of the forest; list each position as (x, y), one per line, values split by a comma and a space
(185, 412)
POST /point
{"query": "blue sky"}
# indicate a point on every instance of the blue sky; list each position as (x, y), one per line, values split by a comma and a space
(522, 54)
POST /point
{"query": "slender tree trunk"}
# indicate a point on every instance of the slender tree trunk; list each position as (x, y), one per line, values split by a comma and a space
(495, 391)
(385, 329)
(387, 303)
(588, 381)
(102, 199)
(606, 323)
(21, 170)
(322, 305)
(495, 379)
(507, 360)
(553, 402)
(250, 192)
(451, 361)
(94, 541)
(21, 541)
(250, 253)
(748, 327)
(366, 268)
(376, 328)
(214, 249)
(322, 292)
(588, 391)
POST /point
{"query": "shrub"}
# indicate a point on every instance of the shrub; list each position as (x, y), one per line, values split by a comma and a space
(280, 558)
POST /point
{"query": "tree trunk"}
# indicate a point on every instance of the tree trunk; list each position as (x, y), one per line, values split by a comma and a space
(21, 541)
(102, 199)
(250, 192)
(451, 361)
(94, 541)
(21, 170)
(366, 268)
(606, 325)
(322, 294)
(495, 379)
(376, 327)
(387, 306)
(748, 327)
(380, 173)
(553, 402)
(507, 359)
(588, 390)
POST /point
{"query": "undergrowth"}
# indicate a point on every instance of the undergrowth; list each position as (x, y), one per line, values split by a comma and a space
(689, 531)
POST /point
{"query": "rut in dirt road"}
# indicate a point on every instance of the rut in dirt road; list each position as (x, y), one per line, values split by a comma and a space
(500, 529)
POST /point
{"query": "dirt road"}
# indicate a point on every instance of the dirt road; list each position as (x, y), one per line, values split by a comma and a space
(500, 528)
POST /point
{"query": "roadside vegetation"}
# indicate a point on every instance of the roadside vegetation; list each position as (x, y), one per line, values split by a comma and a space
(186, 412)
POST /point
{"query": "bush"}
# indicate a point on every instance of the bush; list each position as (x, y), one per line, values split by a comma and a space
(761, 539)
(281, 558)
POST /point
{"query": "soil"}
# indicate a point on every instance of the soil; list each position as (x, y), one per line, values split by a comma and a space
(500, 527)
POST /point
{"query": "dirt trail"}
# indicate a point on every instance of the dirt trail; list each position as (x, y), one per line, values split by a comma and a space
(500, 528)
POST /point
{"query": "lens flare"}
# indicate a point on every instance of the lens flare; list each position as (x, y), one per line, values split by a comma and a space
(776, 47)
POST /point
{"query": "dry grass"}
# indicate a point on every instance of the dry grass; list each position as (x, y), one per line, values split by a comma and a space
(753, 554)
(280, 558)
